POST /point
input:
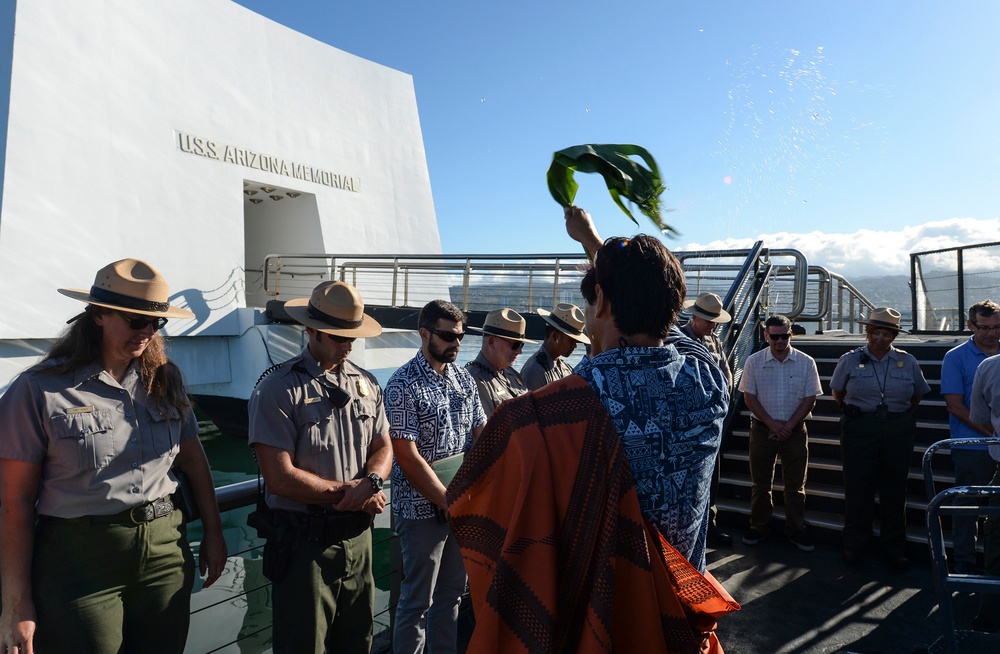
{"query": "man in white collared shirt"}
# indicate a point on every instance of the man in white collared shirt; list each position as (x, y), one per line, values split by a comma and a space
(780, 386)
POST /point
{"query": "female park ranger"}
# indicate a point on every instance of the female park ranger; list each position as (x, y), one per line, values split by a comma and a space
(878, 388)
(94, 556)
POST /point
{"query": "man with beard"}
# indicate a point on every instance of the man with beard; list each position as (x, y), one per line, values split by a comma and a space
(434, 415)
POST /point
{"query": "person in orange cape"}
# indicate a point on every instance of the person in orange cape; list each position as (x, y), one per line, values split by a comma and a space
(582, 509)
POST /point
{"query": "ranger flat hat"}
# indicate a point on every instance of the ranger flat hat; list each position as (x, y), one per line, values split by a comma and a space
(709, 307)
(130, 285)
(568, 319)
(334, 308)
(885, 317)
(505, 323)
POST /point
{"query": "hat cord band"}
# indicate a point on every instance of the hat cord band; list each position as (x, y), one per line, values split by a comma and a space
(714, 314)
(333, 321)
(104, 295)
(565, 325)
(496, 331)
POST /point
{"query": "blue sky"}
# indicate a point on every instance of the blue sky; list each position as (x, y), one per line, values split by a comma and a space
(855, 131)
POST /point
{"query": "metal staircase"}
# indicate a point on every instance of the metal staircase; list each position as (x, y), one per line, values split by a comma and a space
(824, 485)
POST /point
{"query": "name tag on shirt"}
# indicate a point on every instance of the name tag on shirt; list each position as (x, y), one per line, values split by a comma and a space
(80, 409)
(312, 400)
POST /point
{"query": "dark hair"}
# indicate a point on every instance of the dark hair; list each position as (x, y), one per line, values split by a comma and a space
(983, 309)
(549, 330)
(80, 345)
(642, 280)
(438, 310)
(777, 320)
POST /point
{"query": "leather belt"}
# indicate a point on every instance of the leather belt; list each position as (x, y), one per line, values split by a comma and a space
(149, 512)
(138, 515)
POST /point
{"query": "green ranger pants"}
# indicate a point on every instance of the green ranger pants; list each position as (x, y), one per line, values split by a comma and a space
(876, 456)
(110, 588)
(326, 599)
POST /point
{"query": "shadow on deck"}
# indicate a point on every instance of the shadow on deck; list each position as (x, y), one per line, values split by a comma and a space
(797, 602)
(812, 603)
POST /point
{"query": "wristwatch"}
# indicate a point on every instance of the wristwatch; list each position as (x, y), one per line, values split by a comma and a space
(375, 480)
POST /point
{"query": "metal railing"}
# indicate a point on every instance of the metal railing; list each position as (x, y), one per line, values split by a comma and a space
(472, 282)
(944, 283)
(249, 595)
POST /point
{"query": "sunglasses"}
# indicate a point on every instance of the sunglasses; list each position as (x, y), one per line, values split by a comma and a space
(140, 323)
(515, 346)
(779, 337)
(340, 339)
(986, 328)
(447, 337)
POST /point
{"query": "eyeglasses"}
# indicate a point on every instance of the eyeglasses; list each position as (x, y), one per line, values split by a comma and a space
(779, 337)
(986, 328)
(140, 323)
(515, 346)
(446, 336)
(340, 339)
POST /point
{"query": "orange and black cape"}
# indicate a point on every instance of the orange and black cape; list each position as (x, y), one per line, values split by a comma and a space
(559, 556)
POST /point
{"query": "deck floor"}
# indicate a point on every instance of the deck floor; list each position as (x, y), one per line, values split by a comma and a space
(797, 602)
(811, 603)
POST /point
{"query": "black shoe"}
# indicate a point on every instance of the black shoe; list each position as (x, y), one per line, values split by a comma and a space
(801, 540)
(964, 568)
(753, 537)
(899, 562)
(989, 624)
(850, 556)
(718, 538)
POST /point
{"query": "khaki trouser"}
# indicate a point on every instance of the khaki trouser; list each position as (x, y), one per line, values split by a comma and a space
(794, 453)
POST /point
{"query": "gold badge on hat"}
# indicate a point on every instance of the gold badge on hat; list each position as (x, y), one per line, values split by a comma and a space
(362, 388)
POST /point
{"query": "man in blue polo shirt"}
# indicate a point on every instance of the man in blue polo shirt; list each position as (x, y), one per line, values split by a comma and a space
(973, 464)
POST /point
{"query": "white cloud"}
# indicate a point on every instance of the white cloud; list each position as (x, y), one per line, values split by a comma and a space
(868, 251)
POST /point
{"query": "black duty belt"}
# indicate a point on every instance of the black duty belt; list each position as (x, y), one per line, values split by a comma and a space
(326, 526)
(886, 416)
(138, 515)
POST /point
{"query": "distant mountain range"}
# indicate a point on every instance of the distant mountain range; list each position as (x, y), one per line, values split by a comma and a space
(888, 291)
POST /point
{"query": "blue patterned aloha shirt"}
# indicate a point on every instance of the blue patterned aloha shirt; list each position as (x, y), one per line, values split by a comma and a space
(439, 413)
(668, 404)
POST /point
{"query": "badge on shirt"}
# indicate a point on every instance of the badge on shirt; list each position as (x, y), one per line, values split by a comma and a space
(362, 388)
(80, 409)
(899, 364)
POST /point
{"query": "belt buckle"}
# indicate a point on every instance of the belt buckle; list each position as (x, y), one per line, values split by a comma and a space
(147, 513)
(151, 511)
(162, 508)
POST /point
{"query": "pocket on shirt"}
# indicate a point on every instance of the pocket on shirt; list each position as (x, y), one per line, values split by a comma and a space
(165, 428)
(314, 424)
(902, 379)
(90, 434)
